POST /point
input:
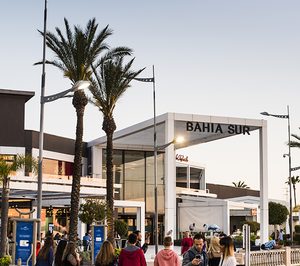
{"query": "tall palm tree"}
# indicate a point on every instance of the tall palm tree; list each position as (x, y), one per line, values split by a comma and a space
(240, 184)
(295, 180)
(75, 53)
(7, 169)
(111, 79)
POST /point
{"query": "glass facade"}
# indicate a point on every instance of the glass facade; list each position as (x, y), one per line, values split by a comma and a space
(134, 170)
(189, 177)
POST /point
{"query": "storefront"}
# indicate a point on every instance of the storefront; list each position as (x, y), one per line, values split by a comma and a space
(133, 161)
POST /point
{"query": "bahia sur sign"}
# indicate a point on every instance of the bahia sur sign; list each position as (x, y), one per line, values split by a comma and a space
(217, 128)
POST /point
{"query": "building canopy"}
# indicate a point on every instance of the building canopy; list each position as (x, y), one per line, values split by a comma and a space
(195, 129)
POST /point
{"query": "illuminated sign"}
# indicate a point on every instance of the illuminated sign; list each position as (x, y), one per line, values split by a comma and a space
(217, 128)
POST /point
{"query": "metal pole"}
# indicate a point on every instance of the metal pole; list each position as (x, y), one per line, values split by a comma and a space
(290, 175)
(155, 170)
(41, 133)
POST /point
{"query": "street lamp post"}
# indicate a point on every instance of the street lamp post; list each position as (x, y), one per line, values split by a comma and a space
(287, 116)
(155, 150)
(41, 136)
(80, 85)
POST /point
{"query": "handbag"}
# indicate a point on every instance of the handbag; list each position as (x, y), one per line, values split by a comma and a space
(214, 254)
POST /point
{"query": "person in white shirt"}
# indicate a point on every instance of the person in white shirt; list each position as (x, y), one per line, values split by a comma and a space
(227, 249)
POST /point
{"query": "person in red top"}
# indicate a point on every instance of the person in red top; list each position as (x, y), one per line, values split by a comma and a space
(186, 242)
(167, 257)
(132, 255)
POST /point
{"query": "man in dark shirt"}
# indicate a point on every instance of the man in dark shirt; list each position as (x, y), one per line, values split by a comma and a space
(139, 239)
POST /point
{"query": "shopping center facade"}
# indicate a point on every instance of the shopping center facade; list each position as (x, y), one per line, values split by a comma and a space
(181, 184)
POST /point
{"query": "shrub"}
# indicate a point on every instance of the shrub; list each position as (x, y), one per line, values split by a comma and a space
(297, 228)
(5, 261)
(254, 226)
(277, 213)
(93, 210)
(297, 238)
(121, 228)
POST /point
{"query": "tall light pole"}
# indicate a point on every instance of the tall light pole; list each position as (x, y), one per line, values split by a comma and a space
(155, 150)
(41, 135)
(287, 116)
(80, 85)
(155, 160)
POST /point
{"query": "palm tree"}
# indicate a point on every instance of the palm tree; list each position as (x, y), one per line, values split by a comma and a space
(240, 184)
(75, 53)
(294, 180)
(112, 79)
(7, 168)
(295, 143)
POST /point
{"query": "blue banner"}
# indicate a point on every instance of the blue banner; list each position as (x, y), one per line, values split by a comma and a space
(98, 238)
(24, 240)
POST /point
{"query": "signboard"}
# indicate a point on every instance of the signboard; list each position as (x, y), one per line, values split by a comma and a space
(24, 241)
(98, 237)
(202, 127)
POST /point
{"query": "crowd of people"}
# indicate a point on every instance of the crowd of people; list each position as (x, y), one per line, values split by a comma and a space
(195, 250)
(58, 251)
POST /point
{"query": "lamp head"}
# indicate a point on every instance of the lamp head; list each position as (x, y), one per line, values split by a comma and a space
(179, 139)
(265, 113)
(81, 85)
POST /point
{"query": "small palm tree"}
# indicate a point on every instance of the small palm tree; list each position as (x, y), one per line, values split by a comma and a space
(112, 79)
(240, 184)
(75, 53)
(7, 168)
(295, 180)
(295, 143)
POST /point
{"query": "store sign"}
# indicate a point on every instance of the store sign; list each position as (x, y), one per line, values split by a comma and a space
(182, 158)
(217, 128)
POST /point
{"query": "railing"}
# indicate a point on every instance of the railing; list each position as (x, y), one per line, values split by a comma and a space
(268, 258)
(279, 257)
(295, 256)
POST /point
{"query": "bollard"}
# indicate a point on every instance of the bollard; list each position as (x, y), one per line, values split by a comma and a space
(19, 262)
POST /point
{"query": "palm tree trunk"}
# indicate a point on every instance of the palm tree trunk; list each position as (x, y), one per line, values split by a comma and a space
(109, 127)
(294, 187)
(4, 216)
(79, 102)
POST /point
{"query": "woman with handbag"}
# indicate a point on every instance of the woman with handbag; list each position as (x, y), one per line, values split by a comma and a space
(214, 251)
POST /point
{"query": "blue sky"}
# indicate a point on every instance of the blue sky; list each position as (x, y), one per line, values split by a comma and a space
(225, 58)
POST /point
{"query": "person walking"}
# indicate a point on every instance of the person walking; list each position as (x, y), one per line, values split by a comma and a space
(86, 241)
(196, 255)
(46, 253)
(59, 252)
(186, 242)
(106, 255)
(132, 255)
(214, 251)
(71, 256)
(139, 239)
(227, 249)
(167, 257)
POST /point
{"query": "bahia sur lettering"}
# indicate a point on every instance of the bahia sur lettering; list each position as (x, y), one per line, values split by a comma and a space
(217, 128)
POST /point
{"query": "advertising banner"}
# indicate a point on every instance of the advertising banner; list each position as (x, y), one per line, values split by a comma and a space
(98, 234)
(24, 241)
